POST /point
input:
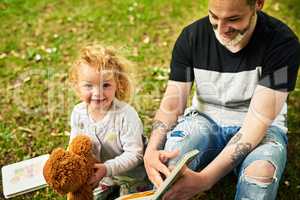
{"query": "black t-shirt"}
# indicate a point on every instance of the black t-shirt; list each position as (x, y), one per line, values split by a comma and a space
(273, 47)
(225, 81)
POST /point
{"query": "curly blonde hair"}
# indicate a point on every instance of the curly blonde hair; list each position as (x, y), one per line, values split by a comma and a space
(104, 59)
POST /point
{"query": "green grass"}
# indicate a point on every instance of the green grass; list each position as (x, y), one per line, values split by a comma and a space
(36, 98)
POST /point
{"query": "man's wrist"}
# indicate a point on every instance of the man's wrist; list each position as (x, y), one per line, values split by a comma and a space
(159, 125)
(154, 147)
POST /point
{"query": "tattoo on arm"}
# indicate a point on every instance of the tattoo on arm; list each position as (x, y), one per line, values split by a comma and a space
(235, 138)
(157, 124)
(241, 149)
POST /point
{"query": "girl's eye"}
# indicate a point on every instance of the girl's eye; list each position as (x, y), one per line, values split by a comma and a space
(106, 85)
(87, 85)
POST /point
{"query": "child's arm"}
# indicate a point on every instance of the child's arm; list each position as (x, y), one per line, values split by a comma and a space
(73, 131)
(132, 145)
(74, 124)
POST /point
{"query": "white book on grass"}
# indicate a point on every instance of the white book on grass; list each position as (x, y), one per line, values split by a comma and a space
(167, 183)
(24, 176)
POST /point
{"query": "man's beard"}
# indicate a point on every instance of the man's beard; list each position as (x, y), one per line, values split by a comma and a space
(241, 34)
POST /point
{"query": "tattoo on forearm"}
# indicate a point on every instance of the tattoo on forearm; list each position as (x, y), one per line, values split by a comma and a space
(235, 139)
(241, 151)
(157, 124)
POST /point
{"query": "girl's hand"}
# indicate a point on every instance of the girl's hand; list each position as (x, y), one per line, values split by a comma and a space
(99, 173)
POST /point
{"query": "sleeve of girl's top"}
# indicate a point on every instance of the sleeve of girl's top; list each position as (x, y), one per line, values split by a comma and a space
(181, 62)
(74, 124)
(281, 65)
(132, 144)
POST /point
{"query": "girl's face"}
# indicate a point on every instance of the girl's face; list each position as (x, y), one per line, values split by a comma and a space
(97, 89)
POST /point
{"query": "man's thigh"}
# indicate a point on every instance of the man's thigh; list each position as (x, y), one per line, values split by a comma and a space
(195, 131)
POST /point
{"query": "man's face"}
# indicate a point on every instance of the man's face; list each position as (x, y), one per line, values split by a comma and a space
(231, 19)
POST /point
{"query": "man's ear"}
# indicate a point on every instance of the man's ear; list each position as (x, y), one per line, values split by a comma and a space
(259, 4)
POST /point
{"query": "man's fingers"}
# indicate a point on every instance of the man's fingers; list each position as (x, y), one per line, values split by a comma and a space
(168, 195)
(155, 165)
(172, 192)
(163, 169)
(163, 158)
(169, 154)
(182, 171)
(171, 167)
(156, 179)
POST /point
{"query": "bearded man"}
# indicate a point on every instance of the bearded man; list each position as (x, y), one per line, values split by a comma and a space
(243, 63)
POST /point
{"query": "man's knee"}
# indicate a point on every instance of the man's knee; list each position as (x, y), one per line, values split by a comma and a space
(192, 126)
(260, 170)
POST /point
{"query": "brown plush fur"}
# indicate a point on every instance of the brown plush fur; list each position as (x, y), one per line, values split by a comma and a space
(67, 172)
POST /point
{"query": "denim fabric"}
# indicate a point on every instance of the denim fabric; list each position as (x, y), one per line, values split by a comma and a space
(196, 130)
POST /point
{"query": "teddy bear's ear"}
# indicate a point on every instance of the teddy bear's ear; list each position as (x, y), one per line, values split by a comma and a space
(64, 171)
(81, 145)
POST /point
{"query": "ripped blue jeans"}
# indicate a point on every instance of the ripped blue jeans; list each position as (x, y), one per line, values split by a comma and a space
(198, 131)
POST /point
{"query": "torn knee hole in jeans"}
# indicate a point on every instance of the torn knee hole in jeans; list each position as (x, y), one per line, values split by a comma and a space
(261, 180)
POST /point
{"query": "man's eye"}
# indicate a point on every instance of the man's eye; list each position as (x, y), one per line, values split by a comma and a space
(234, 19)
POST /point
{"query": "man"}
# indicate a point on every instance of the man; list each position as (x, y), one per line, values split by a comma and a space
(243, 63)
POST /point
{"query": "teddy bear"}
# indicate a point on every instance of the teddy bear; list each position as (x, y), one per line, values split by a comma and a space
(68, 171)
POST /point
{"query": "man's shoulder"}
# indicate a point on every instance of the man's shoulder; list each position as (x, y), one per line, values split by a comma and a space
(198, 25)
(277, 29)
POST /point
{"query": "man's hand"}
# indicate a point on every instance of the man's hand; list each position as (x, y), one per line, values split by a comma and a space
(155, 163)
(190, 184)
(99, 173)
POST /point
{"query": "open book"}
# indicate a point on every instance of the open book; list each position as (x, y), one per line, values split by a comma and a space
(24, 176)
(168, 182)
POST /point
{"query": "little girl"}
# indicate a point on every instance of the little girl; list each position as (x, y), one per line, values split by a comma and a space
(101, 83)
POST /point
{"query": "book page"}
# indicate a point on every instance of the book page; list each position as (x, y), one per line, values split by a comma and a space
(24, 176)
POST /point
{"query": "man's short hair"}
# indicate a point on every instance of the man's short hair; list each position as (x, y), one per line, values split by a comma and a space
(251, 2)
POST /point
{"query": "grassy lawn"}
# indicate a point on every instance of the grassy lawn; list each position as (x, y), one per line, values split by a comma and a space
(39, 41)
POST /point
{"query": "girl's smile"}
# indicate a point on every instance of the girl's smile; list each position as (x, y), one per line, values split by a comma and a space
(96, 89)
